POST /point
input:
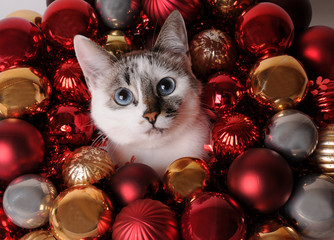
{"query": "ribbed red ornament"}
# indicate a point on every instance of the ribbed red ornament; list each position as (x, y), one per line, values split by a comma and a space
(145, 219)
(159, 10)
(233, 134)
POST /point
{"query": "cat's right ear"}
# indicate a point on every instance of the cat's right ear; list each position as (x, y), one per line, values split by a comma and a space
(93, 59)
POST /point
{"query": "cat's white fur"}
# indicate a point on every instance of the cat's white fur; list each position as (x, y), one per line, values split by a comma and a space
(131, 135)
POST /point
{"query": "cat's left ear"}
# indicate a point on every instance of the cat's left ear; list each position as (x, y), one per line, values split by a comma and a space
(173, 35)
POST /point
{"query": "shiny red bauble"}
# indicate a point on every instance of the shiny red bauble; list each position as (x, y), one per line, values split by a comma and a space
(21, 148)
(264, 29)
(159, 10)
(261, 179)
(213, 216)
(91, 2)
(134, 181)
(64, 19)
(20, 42)
(315, 49)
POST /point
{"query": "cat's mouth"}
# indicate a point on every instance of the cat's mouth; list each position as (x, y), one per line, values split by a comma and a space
(155, 130)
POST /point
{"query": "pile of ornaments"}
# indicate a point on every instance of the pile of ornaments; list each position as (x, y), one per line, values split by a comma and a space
(268, 90)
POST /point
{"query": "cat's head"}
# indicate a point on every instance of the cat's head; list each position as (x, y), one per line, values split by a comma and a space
(142, 95)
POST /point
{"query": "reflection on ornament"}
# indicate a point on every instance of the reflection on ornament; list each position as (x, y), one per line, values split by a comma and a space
(117, 43)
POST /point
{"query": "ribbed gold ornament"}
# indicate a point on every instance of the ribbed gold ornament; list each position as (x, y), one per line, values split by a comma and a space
(38, 235)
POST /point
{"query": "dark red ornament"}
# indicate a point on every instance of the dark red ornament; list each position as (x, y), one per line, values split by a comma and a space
(64, 19)
(7, 228)
(69, 83)
(213, 216)
(21, 148)
(261, 179)
(69, 124)
(264, 29)
(233, 134)
(134, 181)
(91, 2)
(159, 10)
(21, 42)
(315, 49)
(145, 219)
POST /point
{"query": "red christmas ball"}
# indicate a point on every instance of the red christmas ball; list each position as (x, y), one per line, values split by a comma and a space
(145, 219)
(134, 181)
(69, 83)
(264, 29)
(21, 148)
(64, 19)
(69, 124)
(21, 41)
(261, 179)
(213, 216)
(159, 10)
(91, 2)
(315, 49)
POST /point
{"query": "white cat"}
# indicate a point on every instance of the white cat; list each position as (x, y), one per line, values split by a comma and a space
(147, 102)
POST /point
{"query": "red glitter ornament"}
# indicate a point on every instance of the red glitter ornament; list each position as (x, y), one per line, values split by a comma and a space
(7, 228)
(145, 219)
(261, 179)
(70, 124)
(232, 135)
(69, 83)
(64, 19)
(21, 41)
(159, 10)
(264, 29)
(213, 216)
(21, 148)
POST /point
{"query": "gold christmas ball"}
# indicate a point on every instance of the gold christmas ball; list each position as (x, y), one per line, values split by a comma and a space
(229, 8)
(38, 235)
(280, 82)
(87, 165)
(29, 15)
(117, 43)
(185, 178)
(323, 156)
(81, 212)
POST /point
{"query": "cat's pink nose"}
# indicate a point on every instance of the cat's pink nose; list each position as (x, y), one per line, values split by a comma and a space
(151, 117)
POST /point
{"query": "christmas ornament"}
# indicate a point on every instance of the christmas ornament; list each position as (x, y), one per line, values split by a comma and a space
(311, 206)
(20, 42)
(158, 10)
(314, 48)
(81, 212)
(264, 29)
(145, 219)
(91, 2)
(230, 8)
(64, 19)
(186, 178)
(222, 93)
(232, 135)
(69, 83)
(117, 43)
(29, 15)
(70, 124)
(261, 179)
(134, 181)
(300, 11)
(271, 229)
(212, 50)
(24, 92)
(21, 148)
(87, 165)
(38, 235)
(6, 226)
(28, 199)
(292, 134)
(118, 14)
(213, 216)
(323, 154)
(280, 82)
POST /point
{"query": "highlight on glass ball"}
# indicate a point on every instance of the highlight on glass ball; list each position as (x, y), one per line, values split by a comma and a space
(292, 134)
(28, 199)
(117, 43)
(279, 82)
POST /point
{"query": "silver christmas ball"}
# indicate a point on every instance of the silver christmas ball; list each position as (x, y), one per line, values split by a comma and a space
(27, 200)
(292, 134)
(311, 206)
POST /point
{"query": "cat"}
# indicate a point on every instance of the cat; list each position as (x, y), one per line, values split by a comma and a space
(147, 102)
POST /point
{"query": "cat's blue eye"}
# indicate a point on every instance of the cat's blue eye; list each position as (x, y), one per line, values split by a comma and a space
(123, 97)
(166, 86)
